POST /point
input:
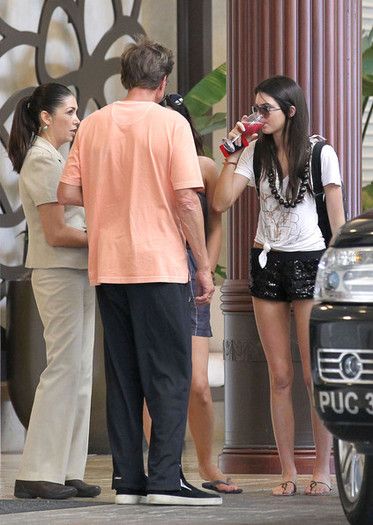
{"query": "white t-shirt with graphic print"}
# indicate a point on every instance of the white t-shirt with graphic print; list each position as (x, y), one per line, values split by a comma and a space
(289, 229)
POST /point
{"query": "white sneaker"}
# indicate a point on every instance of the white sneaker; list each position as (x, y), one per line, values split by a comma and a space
(130, 497)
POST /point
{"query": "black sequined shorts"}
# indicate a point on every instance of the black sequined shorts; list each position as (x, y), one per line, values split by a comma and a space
(287, 276)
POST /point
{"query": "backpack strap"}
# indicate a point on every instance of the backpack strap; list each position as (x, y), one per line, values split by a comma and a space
(257, 167)
(318, 189)
(316, 168)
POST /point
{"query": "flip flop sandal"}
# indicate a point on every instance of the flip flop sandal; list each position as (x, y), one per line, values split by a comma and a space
(212, 485)
(314, 484)
(285, 486)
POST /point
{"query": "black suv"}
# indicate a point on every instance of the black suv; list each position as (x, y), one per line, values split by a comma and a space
(341, 334)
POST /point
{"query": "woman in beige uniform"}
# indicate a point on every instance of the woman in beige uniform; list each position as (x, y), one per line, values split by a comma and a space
(55, 452)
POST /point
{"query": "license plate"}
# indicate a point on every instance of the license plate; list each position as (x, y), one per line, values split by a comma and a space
(345, 401)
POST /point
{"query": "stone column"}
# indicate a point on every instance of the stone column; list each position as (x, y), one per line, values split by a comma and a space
(318, 43)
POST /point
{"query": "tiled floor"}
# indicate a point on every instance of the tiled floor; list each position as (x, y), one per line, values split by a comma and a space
(255, 506)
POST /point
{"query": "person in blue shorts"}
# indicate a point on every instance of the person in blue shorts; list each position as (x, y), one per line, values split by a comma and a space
(201, 409)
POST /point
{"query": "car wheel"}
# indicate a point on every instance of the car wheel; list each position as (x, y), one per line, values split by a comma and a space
(354, 473)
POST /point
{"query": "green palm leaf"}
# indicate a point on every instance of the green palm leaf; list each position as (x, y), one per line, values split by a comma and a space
(368, 61)
(208, 123)
(207, 92)
(367, 85)
(367, 197)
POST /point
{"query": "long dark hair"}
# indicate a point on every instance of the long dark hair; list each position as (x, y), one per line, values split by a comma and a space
(176, 102)
(287, 93)
(26, 120)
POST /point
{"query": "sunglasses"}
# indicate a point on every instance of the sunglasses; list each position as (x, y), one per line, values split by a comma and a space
(264, 110)
(175, 98)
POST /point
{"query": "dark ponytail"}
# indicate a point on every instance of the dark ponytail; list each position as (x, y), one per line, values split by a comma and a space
(26, 120)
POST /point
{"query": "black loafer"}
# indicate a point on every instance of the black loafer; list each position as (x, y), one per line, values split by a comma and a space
(42, 489)
(84, 490)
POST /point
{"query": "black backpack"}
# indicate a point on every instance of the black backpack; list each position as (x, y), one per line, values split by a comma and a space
(318, 189)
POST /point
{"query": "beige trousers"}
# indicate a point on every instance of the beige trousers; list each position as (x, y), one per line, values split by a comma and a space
(57, 438)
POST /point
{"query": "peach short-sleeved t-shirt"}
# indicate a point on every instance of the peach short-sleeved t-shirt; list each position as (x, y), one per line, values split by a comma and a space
(129, 158)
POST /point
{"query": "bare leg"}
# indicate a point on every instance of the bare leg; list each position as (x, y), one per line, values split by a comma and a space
(147, 422)
(201, 414)
(322, 437)
(273, 323)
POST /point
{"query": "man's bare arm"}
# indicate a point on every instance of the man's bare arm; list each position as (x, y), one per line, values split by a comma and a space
(69, 195)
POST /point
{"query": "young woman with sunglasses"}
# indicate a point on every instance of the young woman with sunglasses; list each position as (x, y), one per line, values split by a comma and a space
(286, 251)
(201, 409)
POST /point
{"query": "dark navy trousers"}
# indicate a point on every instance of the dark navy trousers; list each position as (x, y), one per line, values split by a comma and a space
(147, 346)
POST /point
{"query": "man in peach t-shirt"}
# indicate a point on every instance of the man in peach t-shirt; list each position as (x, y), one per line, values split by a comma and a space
(134, 168)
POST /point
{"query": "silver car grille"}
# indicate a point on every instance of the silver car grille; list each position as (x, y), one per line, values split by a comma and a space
(330, 365)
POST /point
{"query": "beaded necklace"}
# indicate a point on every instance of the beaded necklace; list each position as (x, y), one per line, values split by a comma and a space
(274, 184)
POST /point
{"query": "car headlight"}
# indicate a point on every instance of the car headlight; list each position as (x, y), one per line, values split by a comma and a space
(345, 274)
